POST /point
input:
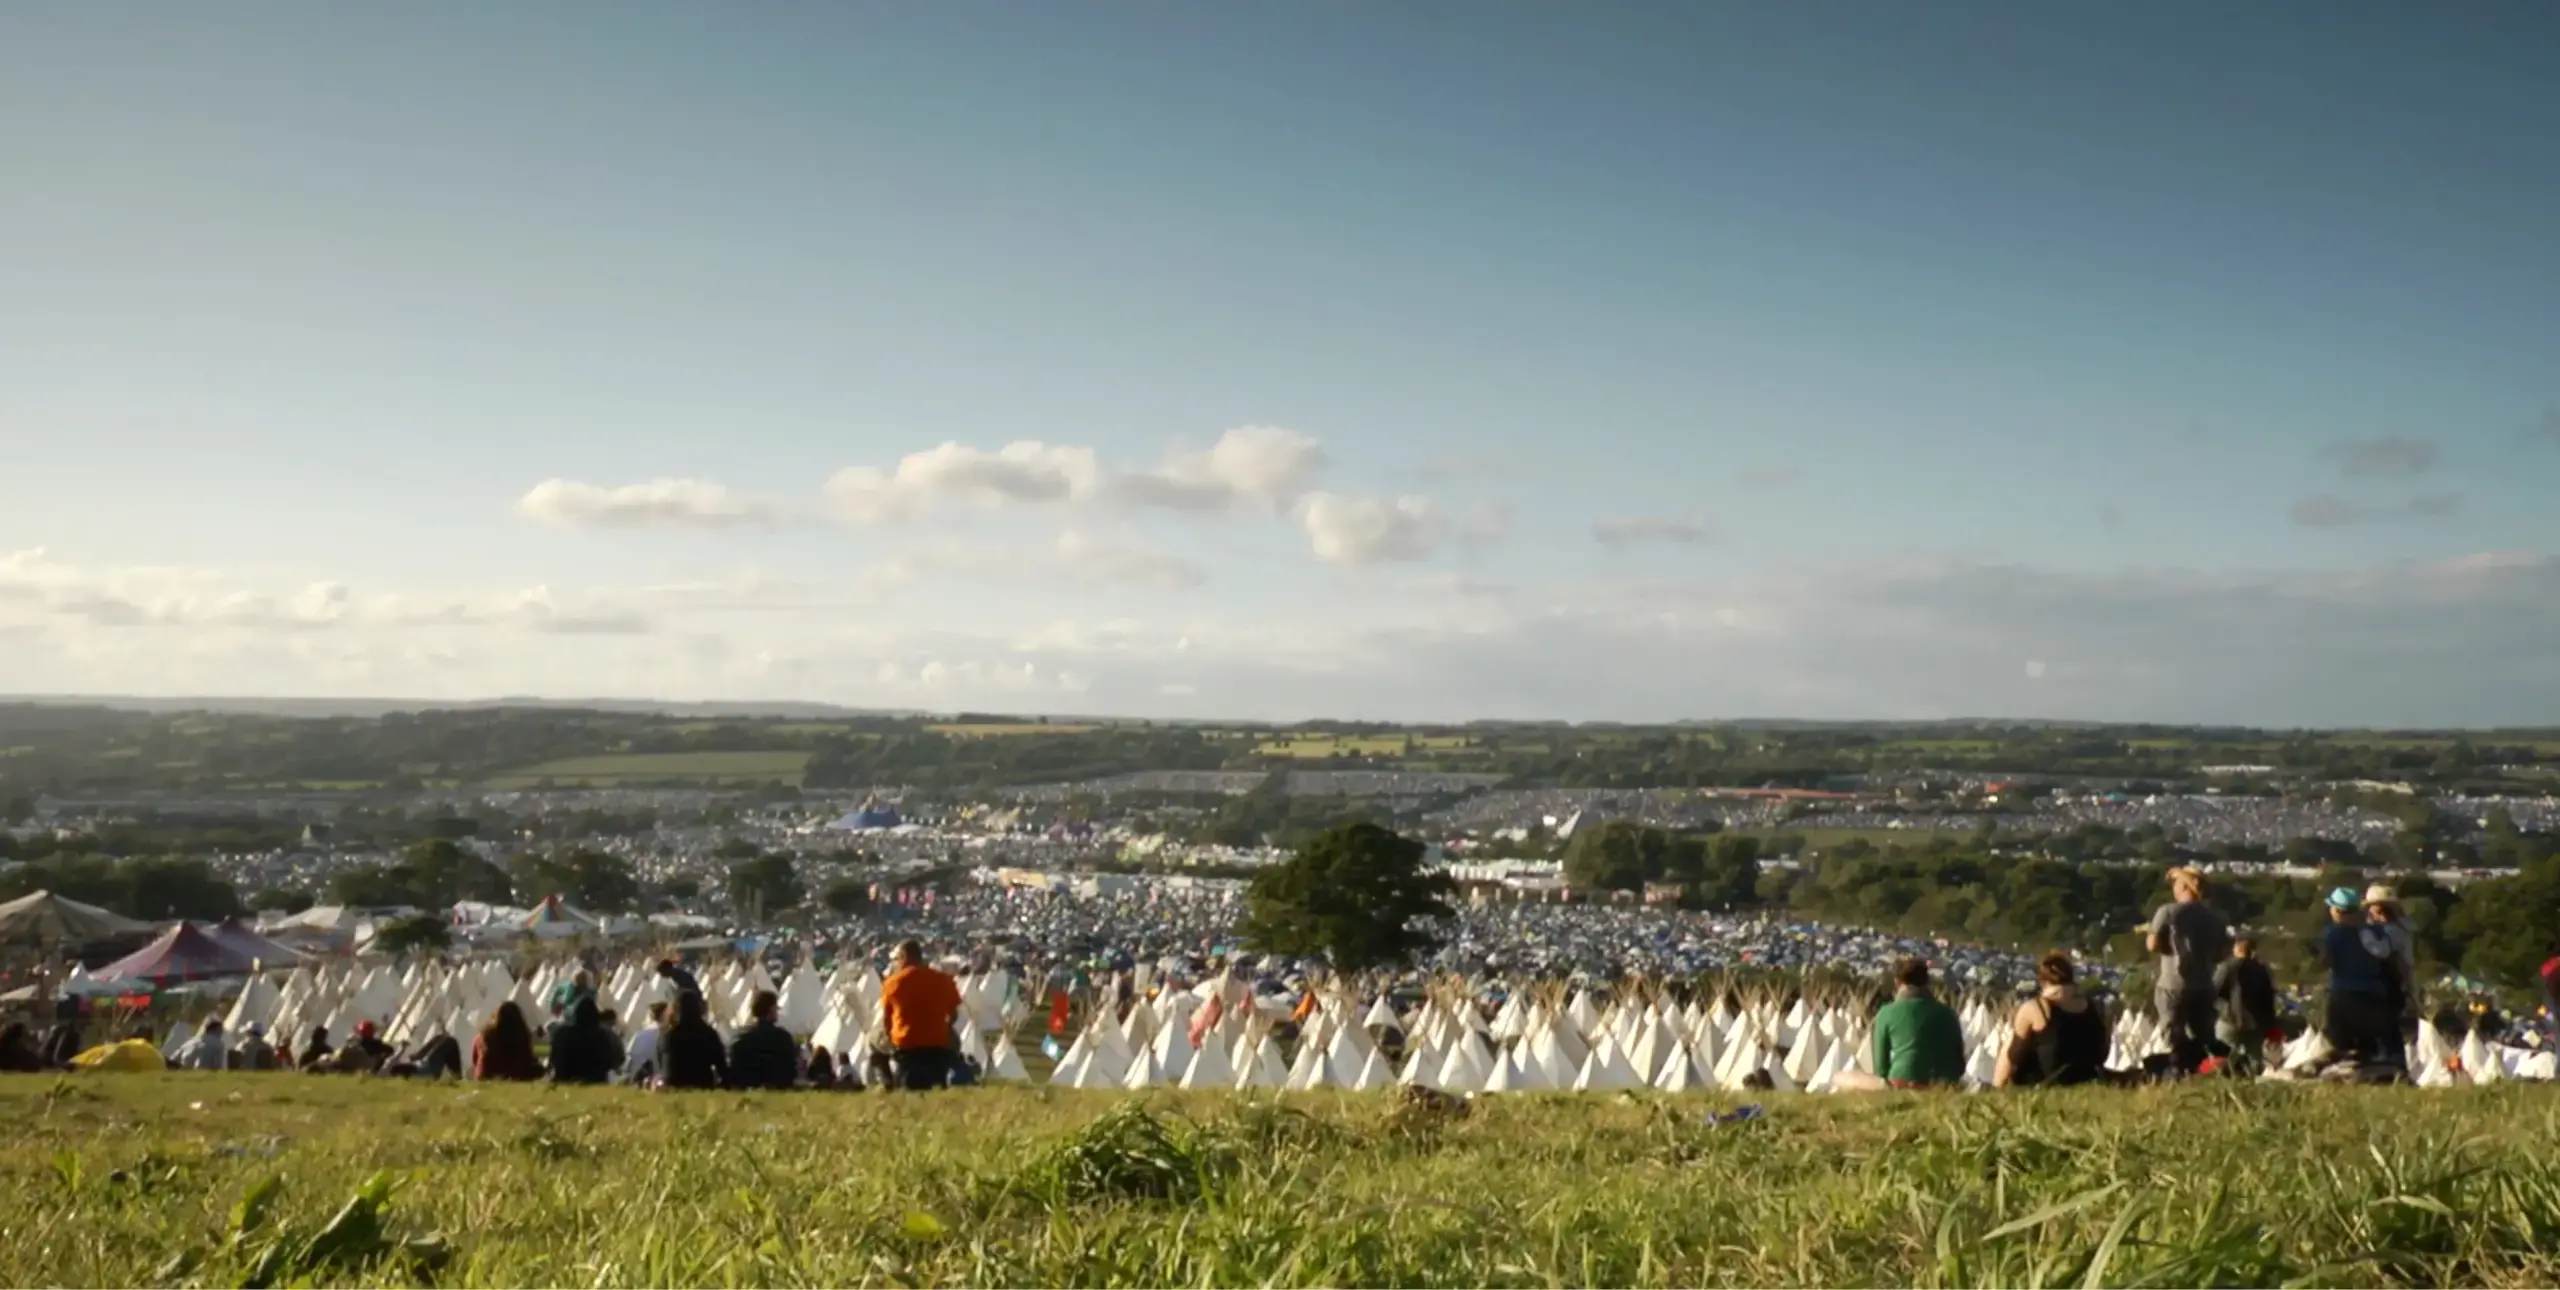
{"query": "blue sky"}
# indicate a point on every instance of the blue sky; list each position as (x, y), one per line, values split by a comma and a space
(1650, 361)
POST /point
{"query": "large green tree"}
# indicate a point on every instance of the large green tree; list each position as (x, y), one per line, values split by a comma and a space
(764, 885)
(416, 932)
(588, 879)
(847, 896)
(2508, 926)
(1611, 857)
(1357, 894)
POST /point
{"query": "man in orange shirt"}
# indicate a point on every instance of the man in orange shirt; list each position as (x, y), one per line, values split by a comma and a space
(918, 1002)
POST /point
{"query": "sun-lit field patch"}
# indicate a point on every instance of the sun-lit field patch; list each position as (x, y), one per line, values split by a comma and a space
(1356, 745)
(617, 768)
(215, 1179)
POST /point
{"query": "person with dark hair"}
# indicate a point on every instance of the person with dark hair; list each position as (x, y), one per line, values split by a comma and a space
(62, 1042)
(764, 1054)
(315, 1051)
(612, 1021)
(503, 1050)
(679, 979)
(253, 1052)
(917, 1003)
(1919, 1041)
(18, 1054)
(2248, 993)
(2382, 910)
(2058, 1037)
(369, 1038)
(582, 1050)
(565, 994)
(435, 1057)
(691, 1054)
(822, 1067)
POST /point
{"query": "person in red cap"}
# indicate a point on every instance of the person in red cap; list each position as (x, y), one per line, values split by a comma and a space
(369, 1038)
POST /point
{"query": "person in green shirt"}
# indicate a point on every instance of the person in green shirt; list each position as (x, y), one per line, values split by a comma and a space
(1919, 1042)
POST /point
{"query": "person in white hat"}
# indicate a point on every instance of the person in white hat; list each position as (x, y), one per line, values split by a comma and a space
(2382, 909)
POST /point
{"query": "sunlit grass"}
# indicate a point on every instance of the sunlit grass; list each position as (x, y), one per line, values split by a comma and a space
(138, 1179)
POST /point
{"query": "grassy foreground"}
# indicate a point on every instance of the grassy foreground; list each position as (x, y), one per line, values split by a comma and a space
(151, 1179)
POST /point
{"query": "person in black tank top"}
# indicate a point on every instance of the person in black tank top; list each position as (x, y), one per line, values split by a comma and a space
(2057, 1038)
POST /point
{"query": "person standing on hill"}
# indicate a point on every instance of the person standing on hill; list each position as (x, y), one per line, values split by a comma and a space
(2360, 990)
(2192, 941)
(1919, 1041)
(2248, 994)
(918, 1002)
(2382, 910)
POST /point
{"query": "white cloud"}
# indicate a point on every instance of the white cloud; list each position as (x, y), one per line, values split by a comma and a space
(1024, 473)
(659, 503)
(2328, 511)
(1252, 469)
(1076, 556)
(1618, 532)
(1487, 524)
(2462, 641)
(1086, 558)
(1366, 530)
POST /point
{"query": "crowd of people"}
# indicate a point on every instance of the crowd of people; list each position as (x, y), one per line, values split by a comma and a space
(914, 1044)
(2218, 1003)
(2217, 1000)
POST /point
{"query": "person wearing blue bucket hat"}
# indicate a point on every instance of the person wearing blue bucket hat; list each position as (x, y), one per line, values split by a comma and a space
(2360, 1019)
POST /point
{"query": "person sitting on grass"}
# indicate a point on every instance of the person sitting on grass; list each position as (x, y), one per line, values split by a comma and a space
(1919, 1041)
(691, 1054)
(253, 1052)
(434, 1057)
(565, 994)
(2058, 1037)
(640, 1061)
(764, 1054)
(208, 1051)
(503, 1050)
(315, 1051)
(613, 1036)
(582, 1050)
(376, 1050)
(822, 1067)
(18, 1052)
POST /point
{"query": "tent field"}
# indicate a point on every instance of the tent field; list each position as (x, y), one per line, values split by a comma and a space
(142, 1178)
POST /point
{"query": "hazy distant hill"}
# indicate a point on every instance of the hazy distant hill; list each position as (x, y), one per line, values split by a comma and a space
(378, 707)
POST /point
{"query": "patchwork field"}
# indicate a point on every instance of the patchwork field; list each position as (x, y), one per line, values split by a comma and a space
(619, 769)
(1002, 729)
(288, 1179)
(1356, 745)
